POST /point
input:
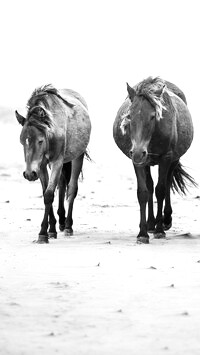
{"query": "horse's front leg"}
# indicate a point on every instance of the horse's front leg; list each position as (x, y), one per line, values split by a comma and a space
(150, 186)
(56, 168)
(142, 194)
(44, 178)
(160, 191)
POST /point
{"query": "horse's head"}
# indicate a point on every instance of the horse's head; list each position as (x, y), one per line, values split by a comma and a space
(34, 140)
(139, 123)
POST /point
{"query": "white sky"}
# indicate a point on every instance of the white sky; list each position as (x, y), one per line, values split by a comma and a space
(94, 47)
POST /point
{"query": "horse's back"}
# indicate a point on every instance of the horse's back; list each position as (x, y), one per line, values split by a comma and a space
(73, 97)
(175, 89)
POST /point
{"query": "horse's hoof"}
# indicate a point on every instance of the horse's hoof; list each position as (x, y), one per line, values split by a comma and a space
(159, 235)
(62, 227)
(42, 239)
(52, 235)
(68, 232)
(167, 226)
(143, 240)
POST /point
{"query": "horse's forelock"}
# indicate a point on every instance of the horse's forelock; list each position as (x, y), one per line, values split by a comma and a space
(39, 114)
(39, 117)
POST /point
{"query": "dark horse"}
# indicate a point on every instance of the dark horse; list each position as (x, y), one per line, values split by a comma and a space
(56, 132)
(154, 127)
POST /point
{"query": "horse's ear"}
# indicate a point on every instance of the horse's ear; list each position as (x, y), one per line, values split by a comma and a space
(20, 118)
(131, 92)
(159, 92)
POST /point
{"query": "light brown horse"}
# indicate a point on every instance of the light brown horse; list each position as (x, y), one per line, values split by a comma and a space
(154, 127)
(56, 132)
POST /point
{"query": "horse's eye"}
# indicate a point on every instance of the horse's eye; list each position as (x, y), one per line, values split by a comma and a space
(152, 117)
(40, 142)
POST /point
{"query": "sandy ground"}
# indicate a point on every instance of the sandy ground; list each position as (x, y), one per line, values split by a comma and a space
(97, 292)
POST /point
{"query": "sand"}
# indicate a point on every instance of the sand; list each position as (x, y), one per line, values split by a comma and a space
(97, 292)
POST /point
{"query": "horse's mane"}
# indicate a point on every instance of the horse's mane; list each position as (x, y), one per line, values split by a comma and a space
(41, 93)
(39, 114)
(148, 88)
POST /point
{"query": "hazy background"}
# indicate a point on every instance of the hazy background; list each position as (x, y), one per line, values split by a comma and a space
(94, 47)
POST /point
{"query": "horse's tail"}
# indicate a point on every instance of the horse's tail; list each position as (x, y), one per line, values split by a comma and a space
(87, 156)
(181, 180)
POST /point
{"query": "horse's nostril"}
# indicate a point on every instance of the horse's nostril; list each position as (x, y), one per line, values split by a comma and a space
(34, 174)
(30, 176)
(131, 153)
(144, 153)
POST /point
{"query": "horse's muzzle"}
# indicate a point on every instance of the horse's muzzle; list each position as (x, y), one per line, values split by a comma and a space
(139, 157)
(30, 176)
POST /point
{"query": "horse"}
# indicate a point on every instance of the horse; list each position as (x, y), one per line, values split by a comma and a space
(153, 126)
(55, 133)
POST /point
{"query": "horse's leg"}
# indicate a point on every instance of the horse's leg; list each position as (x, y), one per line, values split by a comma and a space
(142, 194)
(150, 186)
(167, 218)
(44, 178)
(64, 181)
(56, 168)
(52, 224)
(72, 192)
(160, 191)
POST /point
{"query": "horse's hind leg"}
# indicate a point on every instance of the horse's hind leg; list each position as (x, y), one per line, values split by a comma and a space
(167, 218)
(72, 192)
(64, 181)
(160, 191)
(150, 186)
